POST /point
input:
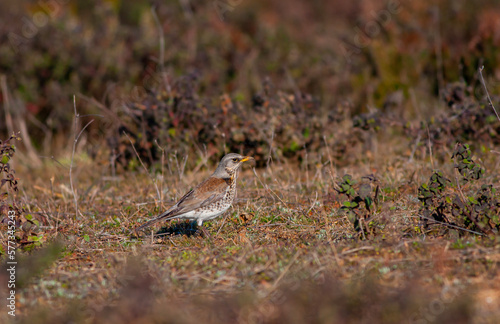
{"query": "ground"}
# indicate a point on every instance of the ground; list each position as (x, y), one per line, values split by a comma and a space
(284, 253)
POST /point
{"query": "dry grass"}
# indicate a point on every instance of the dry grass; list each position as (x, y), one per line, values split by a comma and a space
(284, 253)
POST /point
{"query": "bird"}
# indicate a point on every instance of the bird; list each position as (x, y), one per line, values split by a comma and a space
(208, 200)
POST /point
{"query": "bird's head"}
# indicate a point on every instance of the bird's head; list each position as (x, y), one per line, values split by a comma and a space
(230, 164)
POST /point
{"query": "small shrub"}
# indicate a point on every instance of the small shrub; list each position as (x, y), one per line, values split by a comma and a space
(477, 211)
(7, 151)
(468, 169)
(434, 202)
(24, 223)
(360, 203)
(9, 212)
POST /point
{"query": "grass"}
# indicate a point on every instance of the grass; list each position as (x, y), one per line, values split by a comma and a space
(285, 252)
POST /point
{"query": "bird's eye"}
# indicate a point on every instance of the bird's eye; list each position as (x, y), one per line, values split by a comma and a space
(235, 160)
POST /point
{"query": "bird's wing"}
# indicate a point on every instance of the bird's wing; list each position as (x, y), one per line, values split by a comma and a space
(207, 192)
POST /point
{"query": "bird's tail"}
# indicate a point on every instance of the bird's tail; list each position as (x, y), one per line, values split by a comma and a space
(153, 221)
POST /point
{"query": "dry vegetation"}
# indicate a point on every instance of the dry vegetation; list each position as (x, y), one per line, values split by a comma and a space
(375, 193)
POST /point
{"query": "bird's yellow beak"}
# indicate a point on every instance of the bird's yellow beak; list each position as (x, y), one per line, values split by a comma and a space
(246, 158)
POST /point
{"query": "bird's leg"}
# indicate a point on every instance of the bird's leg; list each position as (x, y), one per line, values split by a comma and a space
(203, 232)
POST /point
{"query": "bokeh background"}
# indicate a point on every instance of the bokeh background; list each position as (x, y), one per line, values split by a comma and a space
(208, 76)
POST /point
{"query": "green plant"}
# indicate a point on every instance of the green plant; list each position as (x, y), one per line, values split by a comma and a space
(477, 211)
(468, 169)
(7, 151)
(359, 205)
(434, 202)
(10, 210)
(367, 121)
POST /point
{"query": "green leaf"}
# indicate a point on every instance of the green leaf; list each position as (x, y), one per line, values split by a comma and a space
(5, 159)
(368, 202)
(306, 133)
(86, 238)
(473, 200)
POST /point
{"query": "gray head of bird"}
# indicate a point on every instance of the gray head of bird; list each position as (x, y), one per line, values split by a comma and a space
(230, 164)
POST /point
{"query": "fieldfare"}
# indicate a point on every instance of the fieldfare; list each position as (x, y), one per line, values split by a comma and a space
(209, 199)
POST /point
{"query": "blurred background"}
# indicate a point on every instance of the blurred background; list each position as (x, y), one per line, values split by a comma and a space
(203, 77)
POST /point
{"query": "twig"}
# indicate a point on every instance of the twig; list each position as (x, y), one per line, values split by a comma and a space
(452, 226)
(162, 168)
(439, 54)
(223, 223)
(89, 115)
(307, 167)
(332, 169)
(179, 170)
(287, 268)
(48, 133)
(162, 49)
(10, 121)
(269, 157)
(487, 93)
(162, 37)
(35, 160)
(145, 169)
(203, 156)
(429, 143)
(312, 205)
(75, 141)
(358, 249)
(267, 187)
(54, 159)
(456, 177)
(282, 224)
(184, 164)
(8, 117)
(113, 115)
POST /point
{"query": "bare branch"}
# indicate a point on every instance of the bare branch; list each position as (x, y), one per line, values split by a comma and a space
(145, 169)
(487, 93)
